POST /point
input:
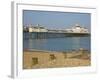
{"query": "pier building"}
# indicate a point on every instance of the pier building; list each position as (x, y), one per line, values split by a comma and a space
(37, 28)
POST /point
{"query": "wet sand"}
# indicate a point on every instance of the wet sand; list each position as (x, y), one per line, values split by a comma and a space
(34, 59)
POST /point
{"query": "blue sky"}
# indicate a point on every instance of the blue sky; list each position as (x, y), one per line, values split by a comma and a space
(56, 20)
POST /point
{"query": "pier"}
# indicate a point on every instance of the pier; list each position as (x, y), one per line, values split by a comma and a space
(40, 32)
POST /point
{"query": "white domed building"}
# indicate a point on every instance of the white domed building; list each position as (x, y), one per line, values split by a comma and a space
(78, 29)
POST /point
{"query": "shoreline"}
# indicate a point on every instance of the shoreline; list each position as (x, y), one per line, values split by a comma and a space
(34, 59)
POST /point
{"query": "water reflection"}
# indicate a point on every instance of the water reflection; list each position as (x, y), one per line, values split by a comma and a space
(58, 44)
(76, 43)
(36, 43)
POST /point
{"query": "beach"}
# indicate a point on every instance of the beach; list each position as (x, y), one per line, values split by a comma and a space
(35, 59)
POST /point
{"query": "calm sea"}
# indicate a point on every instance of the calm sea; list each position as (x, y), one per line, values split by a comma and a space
(58, 44)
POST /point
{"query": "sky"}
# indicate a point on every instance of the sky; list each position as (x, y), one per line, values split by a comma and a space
(56, 20)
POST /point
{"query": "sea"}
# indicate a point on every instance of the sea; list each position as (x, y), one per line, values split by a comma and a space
(58, 44)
